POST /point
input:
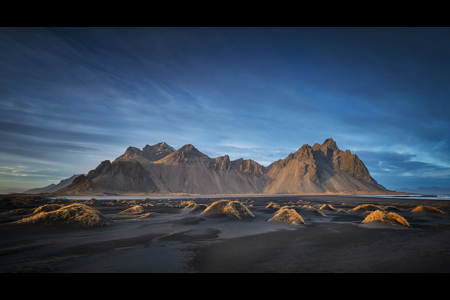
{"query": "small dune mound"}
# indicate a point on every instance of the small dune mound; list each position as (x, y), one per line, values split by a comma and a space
(366, 207)
(387, 218)
(273, 205)
(47, 208)
(313, 209)
(233, 209)
(134, 210)
(191, 206)
(327, 207)
(341, 211)
(91, 201)
(74, 214)
(427, 209)
(187, 203)
(288, 216)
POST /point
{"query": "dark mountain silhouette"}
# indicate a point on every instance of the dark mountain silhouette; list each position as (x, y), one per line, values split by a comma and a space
(52, 187)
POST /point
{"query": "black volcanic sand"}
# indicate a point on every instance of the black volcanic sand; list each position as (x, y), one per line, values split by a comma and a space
(173, 240)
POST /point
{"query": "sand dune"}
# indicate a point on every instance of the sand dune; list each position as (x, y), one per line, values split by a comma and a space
(73, 214)
(387, 218)
(294, 238)
(427, 209)
(135, 210)
(233, 209)
(288, 216)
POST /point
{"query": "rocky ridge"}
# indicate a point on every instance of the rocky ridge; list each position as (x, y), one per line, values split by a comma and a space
(322, 168)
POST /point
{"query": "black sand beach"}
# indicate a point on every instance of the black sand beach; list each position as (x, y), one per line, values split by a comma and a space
(170, 238)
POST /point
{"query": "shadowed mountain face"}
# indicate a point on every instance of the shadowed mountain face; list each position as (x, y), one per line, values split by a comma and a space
(53, 187)
(159, 168)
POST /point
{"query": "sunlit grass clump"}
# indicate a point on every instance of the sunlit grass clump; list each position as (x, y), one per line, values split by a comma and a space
(273, 205)
(366, 207)
(134, 210)
(233, 209)
(287, 215)
(47, 208)
(74, 214)
(427, 209)
(327, 207)
(387, 218)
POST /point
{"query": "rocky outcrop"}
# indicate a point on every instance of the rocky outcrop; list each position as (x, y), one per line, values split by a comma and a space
(219, 163)
(151, 153)
(248, 166)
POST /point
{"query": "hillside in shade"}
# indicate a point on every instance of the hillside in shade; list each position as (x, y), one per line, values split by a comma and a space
(52, 187)
(162, 169)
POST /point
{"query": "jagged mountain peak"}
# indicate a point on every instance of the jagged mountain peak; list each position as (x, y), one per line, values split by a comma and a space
(190, 150)
(152, 153)
(317, 169)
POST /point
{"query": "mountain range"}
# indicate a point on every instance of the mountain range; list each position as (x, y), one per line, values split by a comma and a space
(52, 187)
(162, 169)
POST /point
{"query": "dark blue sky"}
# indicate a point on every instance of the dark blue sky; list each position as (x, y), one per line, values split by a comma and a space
(73, 97)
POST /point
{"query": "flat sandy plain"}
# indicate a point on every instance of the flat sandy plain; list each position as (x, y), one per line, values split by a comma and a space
(172, 239)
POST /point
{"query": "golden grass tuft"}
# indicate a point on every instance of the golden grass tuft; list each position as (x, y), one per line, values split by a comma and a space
(233, 209)
(191, 206)
(427, 209)
(273, 205)
(134, 210)
(288, 216)
(327, 207)
(366, 207)
(313, 209)
(74, 214)
(47, 208)
(188, 203)
(387, 218)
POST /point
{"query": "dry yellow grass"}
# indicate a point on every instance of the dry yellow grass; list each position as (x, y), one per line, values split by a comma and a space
(427, 209)
(134, 210)
(327, 207)
(191, 206)
(273, 205)
(388, 218)
(366, 207)
(313, 209)
(75, 214)
(234, 209)
(287, 215)
(47, 208)
(188, 203)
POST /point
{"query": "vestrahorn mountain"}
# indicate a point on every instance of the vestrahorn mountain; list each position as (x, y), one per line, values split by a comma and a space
(162, 169)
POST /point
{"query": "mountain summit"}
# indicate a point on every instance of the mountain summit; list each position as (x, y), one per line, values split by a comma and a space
(322, 168)
(319, 169)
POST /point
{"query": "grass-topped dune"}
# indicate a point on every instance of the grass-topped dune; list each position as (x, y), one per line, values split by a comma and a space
(386, 218)
(427, 209)
(74, 214)
(232, 209)
(134, 210)
(287, 215)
